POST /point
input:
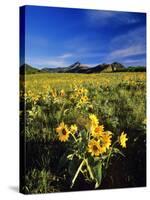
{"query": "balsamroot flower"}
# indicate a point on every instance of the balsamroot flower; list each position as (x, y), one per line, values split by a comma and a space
(63, 132)
(123, 139)
(94, 147)
(94, 120)
(73, 128)
(106, 139)
(97, 131)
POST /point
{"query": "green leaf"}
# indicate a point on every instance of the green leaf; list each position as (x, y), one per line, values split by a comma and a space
(96, 159)
(91, 160)
(97, 171)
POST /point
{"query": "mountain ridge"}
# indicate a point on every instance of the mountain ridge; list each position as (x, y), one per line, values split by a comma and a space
(77, 67)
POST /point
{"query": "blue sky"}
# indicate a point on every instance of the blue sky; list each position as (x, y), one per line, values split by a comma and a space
(58, 37)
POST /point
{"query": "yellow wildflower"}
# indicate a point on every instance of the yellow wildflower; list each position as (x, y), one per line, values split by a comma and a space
(63, 132)
(94, 120)
(102, 149)
(84, 99)
(81, 91)
(106, 139)
(97, 131)
(123, 139)
(73, 128)
(53, 93)
(94, 148)
(62, 92)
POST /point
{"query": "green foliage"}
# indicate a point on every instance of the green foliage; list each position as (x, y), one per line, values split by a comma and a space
(132, 69)
(97, 171)
(43, 181)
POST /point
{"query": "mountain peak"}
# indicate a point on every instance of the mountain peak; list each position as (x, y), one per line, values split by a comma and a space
(77, 63)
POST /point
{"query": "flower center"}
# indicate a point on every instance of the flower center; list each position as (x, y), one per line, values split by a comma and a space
(97, 130)
(64, 132)
(95, 148)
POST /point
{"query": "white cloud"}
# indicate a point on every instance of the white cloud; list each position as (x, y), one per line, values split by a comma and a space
(55, 61)
(100, 15)
(105, 17)
(126, 52)
(133, 43)
(52, 63)
(127, 61)
(132, 37)
(134, 62)
(66, 55)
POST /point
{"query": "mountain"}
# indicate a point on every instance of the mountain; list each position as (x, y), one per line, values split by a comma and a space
(28, 69)
(77, 67)
(100, 68)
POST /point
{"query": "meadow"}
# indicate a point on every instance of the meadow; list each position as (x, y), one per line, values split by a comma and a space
(83, 131)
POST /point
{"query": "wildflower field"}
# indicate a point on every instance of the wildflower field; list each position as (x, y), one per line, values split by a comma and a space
(83, 131)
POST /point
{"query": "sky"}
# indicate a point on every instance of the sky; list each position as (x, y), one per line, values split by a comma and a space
(59, 37)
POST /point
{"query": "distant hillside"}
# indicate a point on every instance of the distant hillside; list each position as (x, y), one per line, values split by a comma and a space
(74, 68)
(27, 69)
(133, 69)
(77, 67)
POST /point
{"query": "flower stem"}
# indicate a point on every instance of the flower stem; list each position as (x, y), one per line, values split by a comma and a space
(74, 137)
(77, 172)
(110, 153)
(89, 169)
